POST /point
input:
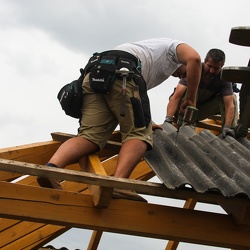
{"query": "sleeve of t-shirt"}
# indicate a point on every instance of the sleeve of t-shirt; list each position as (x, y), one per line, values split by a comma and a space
(172, 51)
(227, 89)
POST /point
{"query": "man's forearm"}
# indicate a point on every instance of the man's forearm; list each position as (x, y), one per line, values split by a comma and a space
(172, 107)
(193, 79)
(229, 115)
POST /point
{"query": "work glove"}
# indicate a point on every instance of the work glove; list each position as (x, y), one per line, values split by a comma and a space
(169, 119)
(226, 130)
(240, 131)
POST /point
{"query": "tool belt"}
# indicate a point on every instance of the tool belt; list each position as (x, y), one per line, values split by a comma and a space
(102, 68)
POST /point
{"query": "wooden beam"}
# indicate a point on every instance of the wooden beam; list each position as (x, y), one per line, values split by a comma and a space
(59, 136)
(203, 124)
(111, 148)
(95, 240)
(9, 236)
(38, 153)
(189, 204)
(149, 188)
(7, 223)
(33, 239)
(101, 195)
(37, 237)
(7, 176)
(142, 171)
(240, 213)
(77, 210)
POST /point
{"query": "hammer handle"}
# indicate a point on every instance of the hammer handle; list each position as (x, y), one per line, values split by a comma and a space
(123, 103)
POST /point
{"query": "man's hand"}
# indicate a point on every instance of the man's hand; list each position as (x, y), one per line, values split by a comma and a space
(155, 126)
(226, 130)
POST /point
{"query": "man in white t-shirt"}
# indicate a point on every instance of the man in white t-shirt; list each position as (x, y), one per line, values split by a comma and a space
(152, 62)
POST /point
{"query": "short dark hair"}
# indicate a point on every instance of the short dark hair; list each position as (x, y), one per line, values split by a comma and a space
(217, 55)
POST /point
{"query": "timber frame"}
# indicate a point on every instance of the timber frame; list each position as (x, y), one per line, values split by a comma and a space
(32, 216)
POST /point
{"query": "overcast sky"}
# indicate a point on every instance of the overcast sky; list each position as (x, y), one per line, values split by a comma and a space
(43, 44)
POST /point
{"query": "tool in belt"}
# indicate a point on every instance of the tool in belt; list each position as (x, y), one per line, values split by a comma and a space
(124, 72)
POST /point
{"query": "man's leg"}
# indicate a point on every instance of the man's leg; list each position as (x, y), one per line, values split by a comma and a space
(68, 153)
(72, 150)
(130, 154)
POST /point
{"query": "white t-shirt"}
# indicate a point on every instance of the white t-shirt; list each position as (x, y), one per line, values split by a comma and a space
(158, 58)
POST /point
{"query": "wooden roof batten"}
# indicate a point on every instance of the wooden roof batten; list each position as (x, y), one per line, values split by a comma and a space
(86, 203)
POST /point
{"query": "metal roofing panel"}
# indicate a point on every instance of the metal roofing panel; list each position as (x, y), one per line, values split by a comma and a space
(202, 160)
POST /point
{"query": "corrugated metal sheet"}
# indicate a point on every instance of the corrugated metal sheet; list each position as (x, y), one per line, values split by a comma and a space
(201, 160)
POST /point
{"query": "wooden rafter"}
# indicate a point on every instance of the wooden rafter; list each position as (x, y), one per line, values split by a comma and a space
(73, 209)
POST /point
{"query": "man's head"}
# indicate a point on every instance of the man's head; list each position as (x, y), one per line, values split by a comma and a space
(213, 63)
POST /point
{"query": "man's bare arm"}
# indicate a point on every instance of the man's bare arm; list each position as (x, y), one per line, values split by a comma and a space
(229, 109)
(188, 56)
(175, 99)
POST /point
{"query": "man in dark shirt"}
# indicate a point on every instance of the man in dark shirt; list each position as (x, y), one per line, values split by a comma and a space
(214, 96)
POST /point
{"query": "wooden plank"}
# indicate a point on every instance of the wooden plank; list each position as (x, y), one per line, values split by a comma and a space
(9, 236)
(142, 187)
(38, 153)
(143, 170)
(6, 223)
(7, 176)
(172, 245)
(38, 237)
(240, 214)
(204, 125)
(189, 204)
(111, 148)
(62, 137)
(67, 185)
(142, 219)
(101, 195)
(240, 35)
(95, 240)
(33, 239)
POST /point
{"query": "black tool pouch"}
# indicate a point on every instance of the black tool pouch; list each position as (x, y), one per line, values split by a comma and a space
(139, 81)
(139, 119)
(70, 97)
(102, 75)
